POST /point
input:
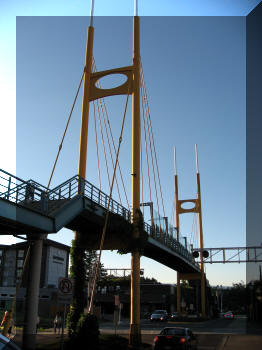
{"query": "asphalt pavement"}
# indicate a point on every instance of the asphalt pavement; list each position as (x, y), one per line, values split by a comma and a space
(217, 334)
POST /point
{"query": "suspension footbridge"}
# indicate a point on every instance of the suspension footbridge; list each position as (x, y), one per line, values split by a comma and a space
(98, 220)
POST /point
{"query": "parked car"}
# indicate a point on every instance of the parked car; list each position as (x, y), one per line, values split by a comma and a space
(7, 344)
(159, 315)
(229, 315)
(174, 316)
(175, 338)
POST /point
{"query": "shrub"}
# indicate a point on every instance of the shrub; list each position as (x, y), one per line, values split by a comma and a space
(113, 342)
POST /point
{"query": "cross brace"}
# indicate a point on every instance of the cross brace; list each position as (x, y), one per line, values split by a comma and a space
(232, 254)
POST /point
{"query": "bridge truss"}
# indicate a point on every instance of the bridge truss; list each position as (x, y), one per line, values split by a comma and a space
(231, 254)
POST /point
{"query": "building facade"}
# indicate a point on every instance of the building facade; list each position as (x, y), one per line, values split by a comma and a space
(55, 264)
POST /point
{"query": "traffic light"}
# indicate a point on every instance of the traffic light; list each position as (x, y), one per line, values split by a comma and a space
(204, 252)
(195, 254)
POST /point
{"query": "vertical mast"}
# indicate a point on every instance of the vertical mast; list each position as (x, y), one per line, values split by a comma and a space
(178, 302)
(135, 332)
(85, 101)
(201, 240)
(92, 12)
(176, 197)
(78, 295)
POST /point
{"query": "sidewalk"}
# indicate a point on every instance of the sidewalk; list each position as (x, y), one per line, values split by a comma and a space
(239, 342)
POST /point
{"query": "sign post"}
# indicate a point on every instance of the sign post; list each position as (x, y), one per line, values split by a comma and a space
(120, 308)
(65, 295)
(116, 311)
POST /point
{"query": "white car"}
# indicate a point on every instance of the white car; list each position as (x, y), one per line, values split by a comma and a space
(159, 315)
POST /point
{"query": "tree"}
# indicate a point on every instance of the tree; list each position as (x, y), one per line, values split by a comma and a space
(234, 298)
(90, 259)
(77, 272)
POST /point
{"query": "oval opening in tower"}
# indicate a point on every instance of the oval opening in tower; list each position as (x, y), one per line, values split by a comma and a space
(111, 81)
(188, 205)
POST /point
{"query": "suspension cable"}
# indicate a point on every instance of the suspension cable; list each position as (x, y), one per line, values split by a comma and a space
(191, 238)
(110, 152)
(142, 180)
(157, 167)
(67, 124)
(112, 139)
(107, 210)
(147, 160)
(152, 160)
(103, 142)
(97, 152)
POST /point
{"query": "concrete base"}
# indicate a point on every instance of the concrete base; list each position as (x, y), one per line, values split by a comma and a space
(135, 335)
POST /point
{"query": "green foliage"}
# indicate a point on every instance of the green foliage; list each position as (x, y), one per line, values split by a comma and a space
(71, 321)
(113, 342)
(136, 244)
(90, 258)
(233, 298)
(186, 284)
(86, 332)
(78, 273)
(124, 281)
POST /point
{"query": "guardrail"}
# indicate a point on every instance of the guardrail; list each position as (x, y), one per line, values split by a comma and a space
(39, 198)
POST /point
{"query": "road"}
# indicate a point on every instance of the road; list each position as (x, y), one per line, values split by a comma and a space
(218, 326)
(217, 334)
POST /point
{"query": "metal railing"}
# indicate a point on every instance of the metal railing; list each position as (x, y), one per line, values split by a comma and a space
(39, 198)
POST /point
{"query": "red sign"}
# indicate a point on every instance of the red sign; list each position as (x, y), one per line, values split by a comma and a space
(117, 300)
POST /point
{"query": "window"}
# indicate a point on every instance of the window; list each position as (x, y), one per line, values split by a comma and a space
(55, 257)
(1, 252)
(19, 263)
(20, 253)
(173, 331)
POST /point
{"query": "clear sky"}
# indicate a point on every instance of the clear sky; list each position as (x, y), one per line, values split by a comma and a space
(195, 74)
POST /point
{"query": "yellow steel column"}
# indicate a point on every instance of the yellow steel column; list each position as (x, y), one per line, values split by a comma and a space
(176, 206)
(85, 111)
(201, 240)
(178, 295)
(85, 104)
(178, 228)
(84, 128)
(135, 332)
(178, 286)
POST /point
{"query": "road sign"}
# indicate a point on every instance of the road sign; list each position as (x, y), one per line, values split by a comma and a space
(65, 290)
(116, 300)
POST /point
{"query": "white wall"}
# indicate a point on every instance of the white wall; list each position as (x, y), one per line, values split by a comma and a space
(56, 265)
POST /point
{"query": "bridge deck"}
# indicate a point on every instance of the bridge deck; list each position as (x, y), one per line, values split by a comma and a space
(27, 207)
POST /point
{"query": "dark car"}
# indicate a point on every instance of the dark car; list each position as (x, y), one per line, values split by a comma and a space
(7, 344)
(174, 316)
(159, 315)
(229, 315)
(175, 338)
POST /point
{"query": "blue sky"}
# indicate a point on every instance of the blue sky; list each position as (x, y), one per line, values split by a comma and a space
(197, 96)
